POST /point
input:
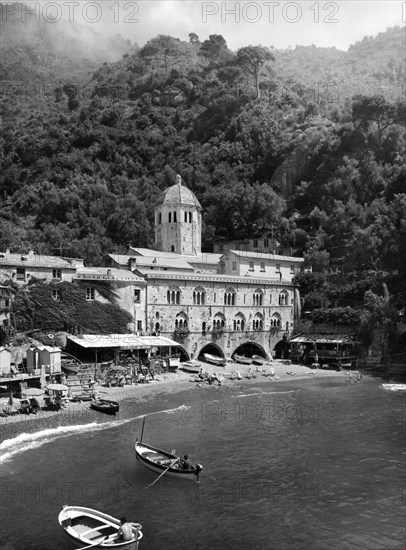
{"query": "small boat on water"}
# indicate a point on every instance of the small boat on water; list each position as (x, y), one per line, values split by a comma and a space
(191, 366)
(105, 406)
(161, 462)
(95, 529)
(242, 359)
(214, 359)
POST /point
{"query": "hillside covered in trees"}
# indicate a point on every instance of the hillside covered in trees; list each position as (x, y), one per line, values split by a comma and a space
(307, 144)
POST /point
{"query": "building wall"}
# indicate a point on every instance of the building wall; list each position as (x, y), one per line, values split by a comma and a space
(185, 237)
(10, 272)
(273, 268)
(276, 319)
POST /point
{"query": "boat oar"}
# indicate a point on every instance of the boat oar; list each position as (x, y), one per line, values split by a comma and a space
(93, 545)
(164, 472)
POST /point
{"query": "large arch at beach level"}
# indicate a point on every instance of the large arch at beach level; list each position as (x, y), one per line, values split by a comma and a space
(281, 349)
(211, 348)
(249, 349)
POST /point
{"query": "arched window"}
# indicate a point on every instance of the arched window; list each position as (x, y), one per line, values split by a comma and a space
(190, 217)
(181, 320)
(204, 327)
(219, 321)
(239, 322)
(173, 295)
(185, 216)
(230, 297)
(160, 218)
(258, 322)
(157, 327)
(258, 297)
(170, 217)
(283, 298)
(174, 217)
(275, 320)
(199, 296)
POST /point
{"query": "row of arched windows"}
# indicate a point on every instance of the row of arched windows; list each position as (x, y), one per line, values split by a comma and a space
(230, 297)
(239, 322)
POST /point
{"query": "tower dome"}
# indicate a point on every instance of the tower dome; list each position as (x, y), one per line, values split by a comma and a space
(178, 221)
(179, 194)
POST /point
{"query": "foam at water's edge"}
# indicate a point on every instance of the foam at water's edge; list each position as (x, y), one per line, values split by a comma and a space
(27, 441)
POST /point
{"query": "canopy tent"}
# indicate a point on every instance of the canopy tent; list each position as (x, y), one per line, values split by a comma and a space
(120, 342)
(320, 339)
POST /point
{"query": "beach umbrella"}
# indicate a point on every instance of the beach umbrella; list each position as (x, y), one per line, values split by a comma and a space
(32, 392)
(57, 387)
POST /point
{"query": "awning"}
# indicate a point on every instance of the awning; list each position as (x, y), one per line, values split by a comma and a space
(122, 341)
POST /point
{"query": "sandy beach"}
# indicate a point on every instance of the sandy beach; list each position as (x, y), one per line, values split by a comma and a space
(139, 399)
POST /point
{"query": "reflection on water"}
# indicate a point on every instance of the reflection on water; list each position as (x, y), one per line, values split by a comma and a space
(316, 465)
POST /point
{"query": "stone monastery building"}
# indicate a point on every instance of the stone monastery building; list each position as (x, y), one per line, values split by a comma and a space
(236, 301)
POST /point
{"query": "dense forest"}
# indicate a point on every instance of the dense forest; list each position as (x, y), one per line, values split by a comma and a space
(305, 144)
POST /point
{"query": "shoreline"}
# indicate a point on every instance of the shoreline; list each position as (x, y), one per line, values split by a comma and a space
(141, 399)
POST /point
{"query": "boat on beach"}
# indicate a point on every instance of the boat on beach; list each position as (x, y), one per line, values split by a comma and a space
(191, 366)
(242, 359)
(214, 359)
(162, 462)
(105, 406)
(258, 360)
(95, 529)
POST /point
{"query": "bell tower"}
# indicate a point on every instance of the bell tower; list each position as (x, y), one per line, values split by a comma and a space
(178, 221)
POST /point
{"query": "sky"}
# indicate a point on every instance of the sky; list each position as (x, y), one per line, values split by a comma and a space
(277, 23)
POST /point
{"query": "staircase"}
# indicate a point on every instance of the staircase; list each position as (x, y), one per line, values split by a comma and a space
(82, 383)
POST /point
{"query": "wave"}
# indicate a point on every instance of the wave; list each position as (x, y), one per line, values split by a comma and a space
(264, 393)
(28, 441)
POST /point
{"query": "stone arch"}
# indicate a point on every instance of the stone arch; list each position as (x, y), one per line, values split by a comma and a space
(211, 348)
(249, 349)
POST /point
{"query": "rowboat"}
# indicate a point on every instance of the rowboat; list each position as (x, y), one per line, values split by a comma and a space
(258, 360)
(214, 359)
(70, 368)
(95, 529)
(242, 359)
(105, 406)
(191, 366)
(162, 462)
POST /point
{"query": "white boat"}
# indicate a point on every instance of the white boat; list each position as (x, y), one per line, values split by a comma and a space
(215, 359)
(95, 529)
(191, 366)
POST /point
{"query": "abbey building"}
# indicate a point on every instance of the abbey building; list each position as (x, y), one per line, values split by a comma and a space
(235, 301)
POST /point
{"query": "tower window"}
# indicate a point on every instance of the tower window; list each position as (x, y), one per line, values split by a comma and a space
(170, 217)
(190, 217)
(174, 217)
(172, 248)
(160, 218)
(185, 216)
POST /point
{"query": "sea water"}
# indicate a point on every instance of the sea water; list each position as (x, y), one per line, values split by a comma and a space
(309, 465)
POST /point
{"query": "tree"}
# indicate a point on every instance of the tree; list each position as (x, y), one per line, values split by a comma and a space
(253, 60)
(163, 48)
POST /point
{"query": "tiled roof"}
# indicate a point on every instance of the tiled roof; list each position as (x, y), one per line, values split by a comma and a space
(266, 256)
(106, 273)
(179, 194)
(38, 260)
